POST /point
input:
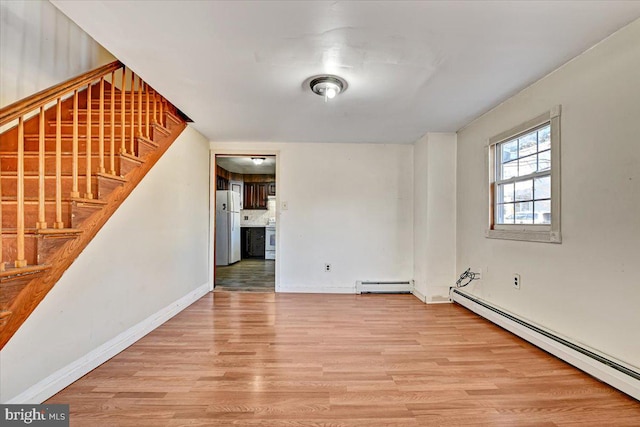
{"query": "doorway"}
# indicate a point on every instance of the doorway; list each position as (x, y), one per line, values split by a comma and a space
(245, 223)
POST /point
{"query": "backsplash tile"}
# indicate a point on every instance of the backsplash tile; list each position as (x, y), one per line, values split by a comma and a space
(258, 218)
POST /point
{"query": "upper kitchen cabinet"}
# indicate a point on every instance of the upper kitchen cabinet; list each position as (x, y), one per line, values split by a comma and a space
(222, 178)
(255, 195)
(256, 190)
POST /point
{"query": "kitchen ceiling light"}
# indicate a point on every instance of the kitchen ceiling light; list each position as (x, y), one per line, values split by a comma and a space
(327, 86)
(258, 160)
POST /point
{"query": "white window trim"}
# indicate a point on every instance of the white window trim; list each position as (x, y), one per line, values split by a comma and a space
(532, 233)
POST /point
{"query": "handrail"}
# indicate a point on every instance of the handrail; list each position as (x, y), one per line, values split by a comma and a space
(30, 103)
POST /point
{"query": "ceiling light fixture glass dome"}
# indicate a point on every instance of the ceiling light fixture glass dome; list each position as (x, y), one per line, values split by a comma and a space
(327, 86)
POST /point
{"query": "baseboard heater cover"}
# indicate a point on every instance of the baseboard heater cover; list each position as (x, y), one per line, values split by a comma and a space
(384, 287)
(609, 371)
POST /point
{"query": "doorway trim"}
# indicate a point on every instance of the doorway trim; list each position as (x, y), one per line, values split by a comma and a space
(213, 152)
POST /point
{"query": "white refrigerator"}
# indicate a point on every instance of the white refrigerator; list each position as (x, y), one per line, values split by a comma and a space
(227, 227)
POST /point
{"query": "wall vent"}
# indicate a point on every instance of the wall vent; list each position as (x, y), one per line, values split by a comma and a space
(384, 287)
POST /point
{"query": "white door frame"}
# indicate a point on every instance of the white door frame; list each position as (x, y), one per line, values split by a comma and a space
(212, 205)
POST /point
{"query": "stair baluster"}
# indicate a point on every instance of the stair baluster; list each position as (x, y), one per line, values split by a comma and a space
(123, 86)
(133, 114)
(58, 222)
(155, 110)
(112, 133)
(74, 149)
(146, 122)
(139, 106)
(161, 112)
(101, 128)
(20, 259)
(41, 224)
(88, 194)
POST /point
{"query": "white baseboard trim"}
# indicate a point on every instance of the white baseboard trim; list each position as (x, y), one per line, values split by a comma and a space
(60, 379)
(422, 297)
(416, 293)
(615, 378)
(439, 302)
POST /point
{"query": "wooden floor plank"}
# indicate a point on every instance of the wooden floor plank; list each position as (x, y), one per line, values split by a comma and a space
(265, 359)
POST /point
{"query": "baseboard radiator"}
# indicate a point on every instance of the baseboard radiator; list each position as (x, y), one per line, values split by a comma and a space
(382, 287)
(614, 373)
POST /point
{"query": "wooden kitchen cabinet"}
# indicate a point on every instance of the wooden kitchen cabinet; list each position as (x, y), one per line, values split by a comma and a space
(271, 188)
(255, 195)
(222, 183)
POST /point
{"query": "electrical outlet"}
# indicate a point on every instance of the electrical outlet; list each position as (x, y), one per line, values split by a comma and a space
(516, 281)
(327, 268)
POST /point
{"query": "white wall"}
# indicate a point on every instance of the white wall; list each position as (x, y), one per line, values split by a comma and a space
(587, 287)
(151, 252)
(350, 205)
(434, 215)
(40, 47)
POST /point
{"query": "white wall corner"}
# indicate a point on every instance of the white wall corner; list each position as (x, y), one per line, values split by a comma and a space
(65, 376)
(416, 293)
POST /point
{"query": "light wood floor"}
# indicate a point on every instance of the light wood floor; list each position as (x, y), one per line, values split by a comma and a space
(247, 275)
(258, 359)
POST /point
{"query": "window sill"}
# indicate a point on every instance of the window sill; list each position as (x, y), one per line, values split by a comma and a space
(543, 236)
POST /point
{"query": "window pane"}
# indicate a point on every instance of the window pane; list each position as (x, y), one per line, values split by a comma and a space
(524, 213)
(524, 190)
(505, 193)
(527, 165)
(504, 214)
(542, 212)
(509, 170)
(544, 160)
(528, 144)
(544, 138)
(509, 150)
(542, 187)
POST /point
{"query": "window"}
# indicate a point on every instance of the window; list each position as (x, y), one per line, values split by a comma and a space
(524, 163)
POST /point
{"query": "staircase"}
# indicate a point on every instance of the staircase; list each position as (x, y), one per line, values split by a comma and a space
(70, 156)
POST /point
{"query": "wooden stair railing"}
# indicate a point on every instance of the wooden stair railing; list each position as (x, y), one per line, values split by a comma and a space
(69, 157)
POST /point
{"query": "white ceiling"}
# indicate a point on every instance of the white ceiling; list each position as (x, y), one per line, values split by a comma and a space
(238, 68)
(245, 165)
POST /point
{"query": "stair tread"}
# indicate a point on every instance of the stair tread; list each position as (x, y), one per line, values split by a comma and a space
(88, 201)
(109, 176)
(50, 174)
(132, 157)
(42, 231)
(148, 141)
(19, 271)
(33, 200)
(58, 231)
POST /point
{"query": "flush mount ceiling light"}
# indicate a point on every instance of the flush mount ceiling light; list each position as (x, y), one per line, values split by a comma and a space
(327, 86)
(258, 160)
